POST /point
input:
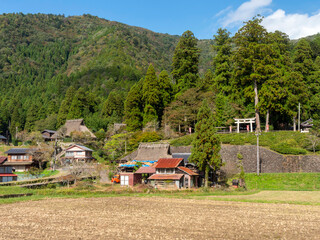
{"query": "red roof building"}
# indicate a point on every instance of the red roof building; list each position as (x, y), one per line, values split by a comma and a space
(169, 162)
(171, 173)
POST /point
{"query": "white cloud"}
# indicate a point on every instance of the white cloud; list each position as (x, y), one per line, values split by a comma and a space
(246, 11)
(295, 25)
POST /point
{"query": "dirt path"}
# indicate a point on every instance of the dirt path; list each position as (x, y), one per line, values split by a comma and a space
(157, 218)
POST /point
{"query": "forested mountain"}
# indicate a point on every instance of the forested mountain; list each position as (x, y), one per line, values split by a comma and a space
(43, 55)
(54, 68)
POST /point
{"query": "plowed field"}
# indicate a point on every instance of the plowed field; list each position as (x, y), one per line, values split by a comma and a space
(156, 218)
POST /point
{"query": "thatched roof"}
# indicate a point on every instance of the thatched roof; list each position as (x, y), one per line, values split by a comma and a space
(153, 151)
(75, 125)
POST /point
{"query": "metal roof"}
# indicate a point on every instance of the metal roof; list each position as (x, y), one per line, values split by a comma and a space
(146, 170)
(49, 131)
(3, 137)
(8, 175)
(2, 159)
(185, 156)
(18, 151)
(166, 177)
(188, 171)
(168, 162)
(80, 146)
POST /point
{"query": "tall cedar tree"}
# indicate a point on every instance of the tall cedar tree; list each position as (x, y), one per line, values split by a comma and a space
(206, 144)
(65, 106)
(113, 104)
(185, 62)
(222, 61)
(253, 63)
(151, 96)
(165, 88)
(133, 107)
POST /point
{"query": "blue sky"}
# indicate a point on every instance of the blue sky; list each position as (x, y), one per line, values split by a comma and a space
(203, 18)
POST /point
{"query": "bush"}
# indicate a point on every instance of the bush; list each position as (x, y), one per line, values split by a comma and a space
(182, 141)
(285, 148)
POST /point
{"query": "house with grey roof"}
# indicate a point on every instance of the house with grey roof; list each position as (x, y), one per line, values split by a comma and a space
(19, 158)
(76, 153)
(3, 139)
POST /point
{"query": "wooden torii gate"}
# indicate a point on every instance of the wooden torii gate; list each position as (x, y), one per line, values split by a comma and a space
(245, 120)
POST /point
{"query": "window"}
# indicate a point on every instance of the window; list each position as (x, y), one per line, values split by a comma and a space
(69, 154)
(1, 169)
(8, 169)
(14, 157)
(80, 153)
(169, 170)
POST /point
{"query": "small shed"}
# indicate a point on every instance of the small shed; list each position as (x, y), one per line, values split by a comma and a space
(3, 139)
(306, 125)
(130, 179)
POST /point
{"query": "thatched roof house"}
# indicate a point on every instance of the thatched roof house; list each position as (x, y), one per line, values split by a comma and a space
(153, 151)
(75, 125)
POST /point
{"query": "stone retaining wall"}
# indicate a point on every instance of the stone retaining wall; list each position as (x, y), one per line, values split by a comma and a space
(270, 161)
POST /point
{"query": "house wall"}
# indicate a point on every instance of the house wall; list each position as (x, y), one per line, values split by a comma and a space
(19, 158)
(165, 184)
(133, 178)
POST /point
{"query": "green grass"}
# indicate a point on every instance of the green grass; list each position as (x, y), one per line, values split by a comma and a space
(47, 173)
(284, 142)
(283, 181)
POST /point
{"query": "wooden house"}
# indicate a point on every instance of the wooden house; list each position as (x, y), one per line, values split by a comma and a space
(19, 158)
(71, 126)
(47, 135)
(6, 171)
(171, 173)
(76, 153)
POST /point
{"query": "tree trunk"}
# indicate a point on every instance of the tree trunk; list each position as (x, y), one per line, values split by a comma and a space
(206, 180)
(256, 102)
(267, 121)
(294, 123)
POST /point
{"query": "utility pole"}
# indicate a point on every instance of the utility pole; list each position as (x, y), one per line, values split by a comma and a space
(258, 153)
(299, 118)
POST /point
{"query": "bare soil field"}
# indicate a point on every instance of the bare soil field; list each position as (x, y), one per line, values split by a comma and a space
(306, 197)
(156, 218)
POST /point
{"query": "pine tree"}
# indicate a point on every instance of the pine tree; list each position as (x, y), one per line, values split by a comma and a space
(185, 62)
(206, 144)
